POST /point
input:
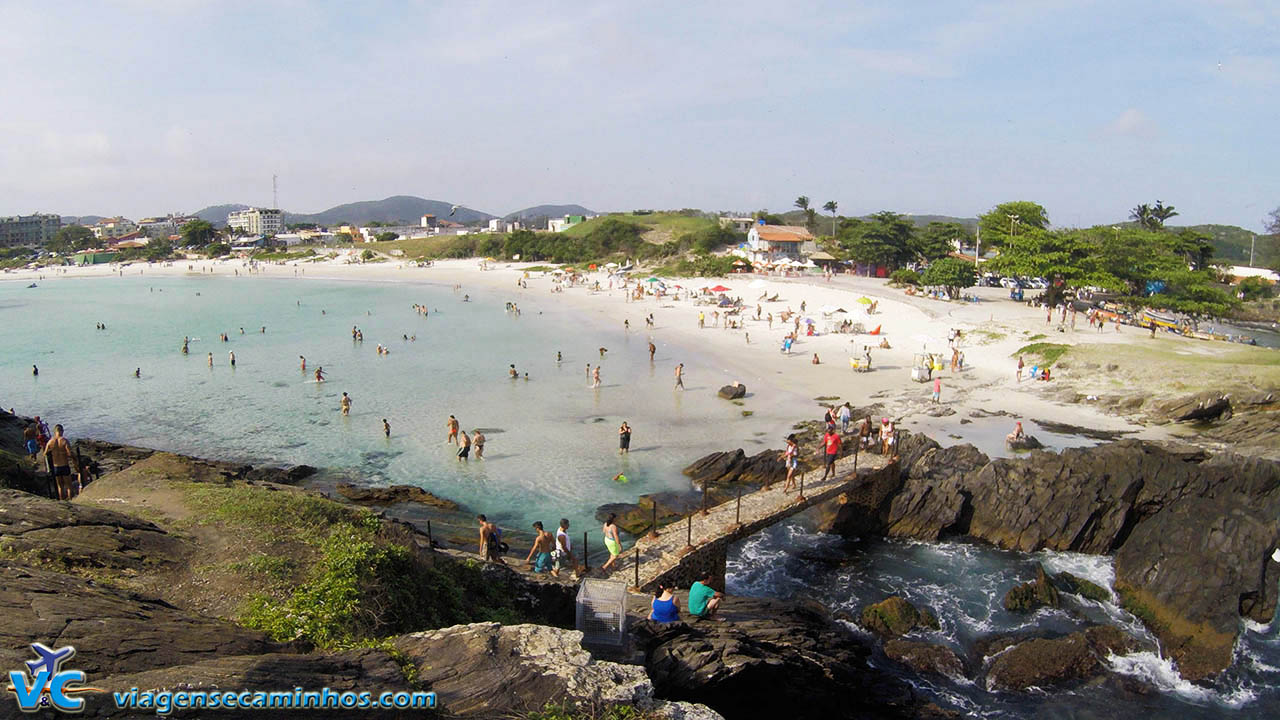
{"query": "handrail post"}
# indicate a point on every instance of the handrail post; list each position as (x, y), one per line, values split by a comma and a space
(653, 529)
(704, 497)
(585, 564)
(637, 585)
(737, 513)
(800, 498)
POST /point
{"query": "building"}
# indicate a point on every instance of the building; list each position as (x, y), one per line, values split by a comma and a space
(112, 228)
(1242, 272)
(428, 221)
(257, 221)
(28, 230)
(134, 239)
(560, 225)
(737, 224)
(767, 243)
(162, 228)
(370, 234)
(498, 225)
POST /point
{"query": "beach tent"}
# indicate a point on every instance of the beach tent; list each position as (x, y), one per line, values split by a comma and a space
(719, 289)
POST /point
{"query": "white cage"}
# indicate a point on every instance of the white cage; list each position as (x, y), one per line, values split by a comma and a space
(601, 612)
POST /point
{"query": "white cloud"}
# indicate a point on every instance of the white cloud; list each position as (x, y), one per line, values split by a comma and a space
(1132, 122)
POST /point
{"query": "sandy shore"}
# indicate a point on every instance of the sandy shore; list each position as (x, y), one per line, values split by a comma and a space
(992, 328)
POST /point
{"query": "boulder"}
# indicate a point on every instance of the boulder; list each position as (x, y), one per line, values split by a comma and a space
(391, 495)
(1046, 662)
(1069, 583)
(735, 466)
(1026, 442)
(491, 670)
(925, 657)
(774, 659)
(733, 392)
(1032, 595)
(1200, 407)
(933, 502)
(894, 616)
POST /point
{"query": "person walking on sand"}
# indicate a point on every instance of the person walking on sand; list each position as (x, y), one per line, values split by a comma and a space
(791, 458)
(541, 550)
(937, 389)
(1020, 366)
(652, 349)
(595, 377)
(477, 441)
(57, 454)
(702, 319)
(612, 542)
(346, 404)
(680, 376)
(464, 446)
(452, 424)
(624, 439)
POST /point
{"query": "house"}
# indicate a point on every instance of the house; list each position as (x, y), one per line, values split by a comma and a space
(111, 228)
(767, 243)
(568, 221)
(737, 224)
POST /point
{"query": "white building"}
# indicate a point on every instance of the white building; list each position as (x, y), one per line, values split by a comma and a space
(257, 221)
(111, 228)
(767, 243)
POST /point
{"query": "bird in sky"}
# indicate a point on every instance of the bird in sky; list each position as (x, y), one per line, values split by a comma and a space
(454, 209)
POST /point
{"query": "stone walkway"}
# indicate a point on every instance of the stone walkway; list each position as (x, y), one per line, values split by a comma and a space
(727, 523)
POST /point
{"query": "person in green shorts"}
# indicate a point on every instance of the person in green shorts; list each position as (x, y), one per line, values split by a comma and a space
(703, 599)
(611, 541)
(540, 553)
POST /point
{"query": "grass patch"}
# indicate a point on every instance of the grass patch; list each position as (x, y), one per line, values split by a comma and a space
(564, 711)
(1049, 353)
(274, 514)
(1037, 336)
(827, 398)
(748, 413)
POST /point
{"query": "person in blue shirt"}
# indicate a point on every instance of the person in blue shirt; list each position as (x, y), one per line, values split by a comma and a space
(704, 600)
(664, 605)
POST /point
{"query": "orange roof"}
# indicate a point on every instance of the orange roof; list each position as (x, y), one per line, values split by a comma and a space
(783, 233)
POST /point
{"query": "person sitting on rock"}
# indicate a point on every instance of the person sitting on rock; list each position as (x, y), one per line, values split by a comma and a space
(704, 600)
(663, 607)
(1017, 435)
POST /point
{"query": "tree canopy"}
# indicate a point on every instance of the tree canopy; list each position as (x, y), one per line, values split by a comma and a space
(198, 233)
(937, 239)
(72, 238)
(1011, 218)
(885, 238)
(951, 273)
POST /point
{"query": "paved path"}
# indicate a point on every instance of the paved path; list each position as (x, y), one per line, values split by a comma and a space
(760, 509)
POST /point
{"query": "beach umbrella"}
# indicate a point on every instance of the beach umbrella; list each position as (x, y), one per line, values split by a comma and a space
(611, 265)
(808, 321)
(489, 259)
(592, 266)
(719, 288)
(652, 280)
(738, 263)
(864, 300)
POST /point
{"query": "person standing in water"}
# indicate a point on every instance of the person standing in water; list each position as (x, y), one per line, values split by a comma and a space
(210, 359)
(232, 353)
(386, 427)
(464, 445)
(624, 439)
(35, 371)
(303, 361)
(595, 377)
(320, 374)
(137, 372)
(477, 440)
(652, 349)
(452, 424)
(346, 404)
(680, 376)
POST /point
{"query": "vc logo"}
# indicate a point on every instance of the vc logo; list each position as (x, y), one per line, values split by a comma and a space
(46, 684)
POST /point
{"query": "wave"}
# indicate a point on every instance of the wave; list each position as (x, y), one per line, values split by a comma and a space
(1162, 673)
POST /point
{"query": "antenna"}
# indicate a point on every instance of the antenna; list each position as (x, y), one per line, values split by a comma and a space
(275, 194)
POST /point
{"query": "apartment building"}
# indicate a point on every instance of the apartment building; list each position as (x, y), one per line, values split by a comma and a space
(257, 221)
(28, 230)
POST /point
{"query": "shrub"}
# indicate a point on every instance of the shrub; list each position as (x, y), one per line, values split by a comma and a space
(904, 276)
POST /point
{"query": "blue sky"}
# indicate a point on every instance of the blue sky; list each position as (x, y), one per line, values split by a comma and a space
(1088, 108)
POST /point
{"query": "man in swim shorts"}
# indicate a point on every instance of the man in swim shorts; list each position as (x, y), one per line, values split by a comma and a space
(490, 541)
(29, 434)
(540, 553)
(452, 424)
(464, 445)
(58, 454)
(346, 404)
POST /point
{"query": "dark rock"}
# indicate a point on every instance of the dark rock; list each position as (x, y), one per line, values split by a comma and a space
(1032, 595)
(353, 670)
(894, 616)
(939, 411)
(933, 502)
(1201, 407)
(293, 475)
(773, 659)
(391, 495)
(113, 631)
(1069, 583)
(1062, 428)
(724, 468)
(69, 535)
(733, 392)
(925, 657)
(1043, 663)
(1026, 442)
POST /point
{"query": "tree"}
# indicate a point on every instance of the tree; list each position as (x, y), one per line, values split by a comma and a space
(217, 249)
(158, 250)
(810, 215)
(198, 233)
(938, 239)
(768, 217)
(830, 207)
(1009, 219)
(72, 238)
(1142, 215)
(1272, 222)
(885, 238)
(386, 236)
(343, 237)
(1160, 213)
(953, 274)
(802, 202)
(1152, 217)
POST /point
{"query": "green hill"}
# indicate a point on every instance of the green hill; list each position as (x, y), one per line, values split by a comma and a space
(548, 211)
(1231, 244)
(659, 227)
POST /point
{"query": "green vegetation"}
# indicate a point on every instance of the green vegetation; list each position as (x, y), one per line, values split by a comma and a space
(198, 233)
(217, 249)
(563, 711)
(1049, 353)
(904, 276)
(282, 255)
(1009, 220)
(951, 273)
(1037, 336)
(1256, 289)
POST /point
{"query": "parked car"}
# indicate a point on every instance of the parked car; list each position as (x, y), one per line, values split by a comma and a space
(1036, 283)
(1009, 283)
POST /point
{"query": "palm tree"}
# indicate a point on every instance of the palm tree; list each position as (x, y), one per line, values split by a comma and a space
(1142, 215)
(831, 208)
(1160, 213)
(802, 202)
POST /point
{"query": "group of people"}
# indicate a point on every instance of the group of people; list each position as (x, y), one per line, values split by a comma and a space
(702, 601)
(59, 460)
(465, 442)
(549, 553)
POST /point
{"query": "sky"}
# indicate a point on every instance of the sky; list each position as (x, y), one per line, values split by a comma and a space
(1088, 108)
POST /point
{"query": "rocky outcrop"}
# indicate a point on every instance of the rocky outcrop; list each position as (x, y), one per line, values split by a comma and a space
(735, 466)
(1202, 406)
(392, 494)
(733, 392)
(1032, 595)
(1046, 662)
(1026, 442)
(1068, 583)
(894, 616)
(774, 660)
(925, 657)
(933, 502)
(491, 670)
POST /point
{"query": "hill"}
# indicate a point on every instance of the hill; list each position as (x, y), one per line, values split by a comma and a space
(397, 208)
(216, 215)
(81, 219)
(1231, 244)
(550, 211)
(659, 227)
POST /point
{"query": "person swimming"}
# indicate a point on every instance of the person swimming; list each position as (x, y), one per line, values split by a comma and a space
(319, 373)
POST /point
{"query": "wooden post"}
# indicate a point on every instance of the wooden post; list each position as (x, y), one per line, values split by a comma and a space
(737, 513)
(856, 445)
(637, 585)
(801, 497)
(653, 529)
(585, 565)
(704, 497)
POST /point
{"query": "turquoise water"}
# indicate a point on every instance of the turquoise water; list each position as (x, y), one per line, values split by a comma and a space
(552, 447)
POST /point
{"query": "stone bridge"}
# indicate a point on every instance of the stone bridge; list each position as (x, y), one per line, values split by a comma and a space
(689, 549)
